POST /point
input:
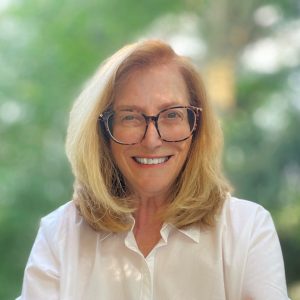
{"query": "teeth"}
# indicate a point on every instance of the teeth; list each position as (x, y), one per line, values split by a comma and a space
(151, 161)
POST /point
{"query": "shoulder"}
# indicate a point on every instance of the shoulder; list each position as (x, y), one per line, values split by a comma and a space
(243, 219)
(65, 226)
(61, 216)
(238, 211)
(244, 227)
(251, 250)
(54, 225)
(240, 205)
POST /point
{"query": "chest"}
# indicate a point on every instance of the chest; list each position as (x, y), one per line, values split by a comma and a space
(178, 268)
(147, 240)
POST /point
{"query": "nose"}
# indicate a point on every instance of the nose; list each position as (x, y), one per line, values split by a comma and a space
(151, 138)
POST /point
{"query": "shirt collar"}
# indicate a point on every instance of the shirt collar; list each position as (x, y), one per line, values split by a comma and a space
(165, 231)
(191, 231)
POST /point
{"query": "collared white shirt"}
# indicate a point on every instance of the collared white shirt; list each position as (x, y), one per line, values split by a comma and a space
(240, 258)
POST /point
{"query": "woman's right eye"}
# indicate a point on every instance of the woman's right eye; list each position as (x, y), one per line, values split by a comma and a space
(128, 117)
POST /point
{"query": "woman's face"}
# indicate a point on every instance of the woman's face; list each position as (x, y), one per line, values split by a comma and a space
(151, 166)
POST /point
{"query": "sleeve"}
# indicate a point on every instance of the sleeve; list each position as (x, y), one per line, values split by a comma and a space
(41, 277)
(264, 276)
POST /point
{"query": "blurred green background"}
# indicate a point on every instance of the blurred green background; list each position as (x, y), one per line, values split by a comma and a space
(249, 54)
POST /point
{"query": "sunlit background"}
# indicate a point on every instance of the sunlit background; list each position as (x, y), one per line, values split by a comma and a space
(249, 54)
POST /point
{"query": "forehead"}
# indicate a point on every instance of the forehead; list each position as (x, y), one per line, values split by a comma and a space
(152, 87)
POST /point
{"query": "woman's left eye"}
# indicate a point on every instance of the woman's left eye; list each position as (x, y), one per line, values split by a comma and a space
(173, 115)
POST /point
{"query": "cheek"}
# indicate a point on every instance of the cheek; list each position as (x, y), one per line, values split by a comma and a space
(185, 149)
(183, 153)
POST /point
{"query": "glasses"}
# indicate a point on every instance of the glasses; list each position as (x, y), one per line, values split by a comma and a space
(129, 127)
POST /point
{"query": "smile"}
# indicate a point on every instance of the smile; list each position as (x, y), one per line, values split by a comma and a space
(151, 161)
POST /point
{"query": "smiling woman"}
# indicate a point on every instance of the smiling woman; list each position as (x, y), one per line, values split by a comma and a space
(145, 148)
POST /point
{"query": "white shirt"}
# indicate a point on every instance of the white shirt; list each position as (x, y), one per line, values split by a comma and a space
(240, 258)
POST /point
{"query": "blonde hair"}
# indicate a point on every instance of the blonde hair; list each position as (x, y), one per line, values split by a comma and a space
(99, 190)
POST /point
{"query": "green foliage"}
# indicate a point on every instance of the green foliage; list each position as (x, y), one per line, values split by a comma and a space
(262, 155)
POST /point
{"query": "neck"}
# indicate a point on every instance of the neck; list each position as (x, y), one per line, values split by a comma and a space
(148, 223)
(148, 211)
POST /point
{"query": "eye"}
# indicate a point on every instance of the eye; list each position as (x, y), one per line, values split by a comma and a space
(173, 115)
(128, 118)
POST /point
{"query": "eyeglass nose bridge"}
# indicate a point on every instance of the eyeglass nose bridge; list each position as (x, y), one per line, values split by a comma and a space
(149, 119)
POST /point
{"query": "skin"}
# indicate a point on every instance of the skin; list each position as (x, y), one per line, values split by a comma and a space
(150, 90)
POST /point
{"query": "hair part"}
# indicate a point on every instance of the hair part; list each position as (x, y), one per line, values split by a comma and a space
(99, 189)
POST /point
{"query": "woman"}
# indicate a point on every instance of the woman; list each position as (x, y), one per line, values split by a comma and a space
(151, 216)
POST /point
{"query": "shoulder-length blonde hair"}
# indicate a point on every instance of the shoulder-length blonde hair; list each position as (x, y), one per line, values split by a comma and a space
(99, 189)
